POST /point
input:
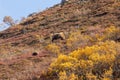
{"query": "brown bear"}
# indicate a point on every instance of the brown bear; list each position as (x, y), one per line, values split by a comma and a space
(56, 36)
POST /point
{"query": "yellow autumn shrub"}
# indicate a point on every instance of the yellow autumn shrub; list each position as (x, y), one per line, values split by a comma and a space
(82, 62)
(63, 63)
(76, 39)
(62, 75)
(73, 77)
(110, 33)
(53, 48)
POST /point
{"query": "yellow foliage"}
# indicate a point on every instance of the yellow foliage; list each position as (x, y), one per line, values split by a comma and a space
(85, 64)
(110, 33)
(72, 77)
(62, 75)
(53, 48)
(63, 62)
(111, 29)
(106, 79)
(91, 76)
(76, 39)
(97, 52)
(108, 73)
(95, 57)
(83, 60)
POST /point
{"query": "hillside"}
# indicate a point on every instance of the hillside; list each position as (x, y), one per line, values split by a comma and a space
(56, 19)
(27, 49)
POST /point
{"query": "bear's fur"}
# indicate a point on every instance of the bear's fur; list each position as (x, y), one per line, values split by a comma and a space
(56, 36)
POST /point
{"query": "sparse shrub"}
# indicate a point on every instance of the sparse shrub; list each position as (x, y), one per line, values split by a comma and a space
(8, 20)
(112, 33)
(53, 48)
(40, 38)
(109, 33)
(76, 39)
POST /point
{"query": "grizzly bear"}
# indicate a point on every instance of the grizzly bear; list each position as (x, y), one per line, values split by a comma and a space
(56, 36)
